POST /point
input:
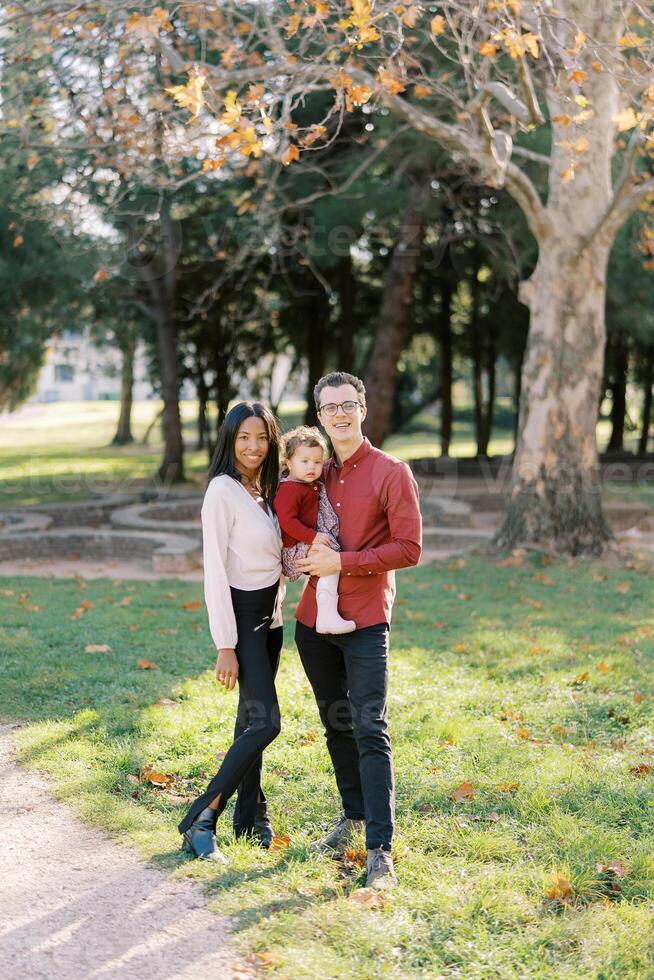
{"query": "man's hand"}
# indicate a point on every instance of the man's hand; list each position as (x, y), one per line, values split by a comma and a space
(321, 561)
(227, 668)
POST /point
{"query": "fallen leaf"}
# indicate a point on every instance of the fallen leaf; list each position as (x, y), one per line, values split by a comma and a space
(160, 779)
(524, 733)
(512, 715)
(83, 607)
(616, 868)
(517, 558)
(308, 738)
(144, 664)
(358, 858)
(580, 679)
(166, 703)
(438, 625)
(263, 959)
(560, 890)
(97, 648)
(368, 898)
(603, 667)
(622, 587)
(125, 601)
(464, 596)
(463, 792)
(279, 842)
(170, 632)
(622, 719)
(644, 769)
(460, 648)
(638, 697)
(508, 787)
(194, 604)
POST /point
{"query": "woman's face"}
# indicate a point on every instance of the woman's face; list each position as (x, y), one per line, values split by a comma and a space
(251, 446)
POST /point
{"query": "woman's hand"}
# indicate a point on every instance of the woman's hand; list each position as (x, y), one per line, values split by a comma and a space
(227, 668)
(321, 538)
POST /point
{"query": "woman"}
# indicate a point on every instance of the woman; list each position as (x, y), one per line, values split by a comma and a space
(243, 591)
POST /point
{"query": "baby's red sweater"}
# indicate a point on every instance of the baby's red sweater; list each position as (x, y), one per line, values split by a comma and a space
(296, 506)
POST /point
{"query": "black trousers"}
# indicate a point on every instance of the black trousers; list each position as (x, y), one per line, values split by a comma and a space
(349, 677)
(257, 721)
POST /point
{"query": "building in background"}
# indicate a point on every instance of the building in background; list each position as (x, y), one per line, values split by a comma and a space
(76, 369)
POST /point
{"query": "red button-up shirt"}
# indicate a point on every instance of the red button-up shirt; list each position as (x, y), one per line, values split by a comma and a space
(376, 499)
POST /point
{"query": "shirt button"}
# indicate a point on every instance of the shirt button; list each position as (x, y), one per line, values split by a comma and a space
(338, 505)
(342, 481)
(355, 465)
(348, 573)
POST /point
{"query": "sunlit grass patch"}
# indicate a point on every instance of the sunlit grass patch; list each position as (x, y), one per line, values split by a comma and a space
(521, 705)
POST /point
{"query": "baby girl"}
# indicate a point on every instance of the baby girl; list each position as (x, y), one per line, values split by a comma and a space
(306, 516)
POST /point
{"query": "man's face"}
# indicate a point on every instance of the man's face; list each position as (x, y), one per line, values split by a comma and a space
(343, 426)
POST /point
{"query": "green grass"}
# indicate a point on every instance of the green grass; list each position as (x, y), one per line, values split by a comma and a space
(536, 675)
(65, 453)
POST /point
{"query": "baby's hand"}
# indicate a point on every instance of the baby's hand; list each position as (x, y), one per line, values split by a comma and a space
(322, 538)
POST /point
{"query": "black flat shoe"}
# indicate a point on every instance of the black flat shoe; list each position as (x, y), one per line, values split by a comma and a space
(199, 839)
(262, 830)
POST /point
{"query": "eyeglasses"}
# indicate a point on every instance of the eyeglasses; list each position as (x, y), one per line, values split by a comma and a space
(331, 408)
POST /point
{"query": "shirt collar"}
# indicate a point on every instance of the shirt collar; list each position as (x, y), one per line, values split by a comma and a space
(356, 457)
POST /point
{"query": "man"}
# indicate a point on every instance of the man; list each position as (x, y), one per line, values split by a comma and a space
(376, 499)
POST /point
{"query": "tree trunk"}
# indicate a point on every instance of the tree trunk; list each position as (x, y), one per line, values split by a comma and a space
(619, 391)
(171, 468)
(316, 353)
(648, 381)
(223, 388)
(555, 496)
(123, 434)
(203, 399)
(517, 388)
(393, 322)
(488, 409)
(444, 337)
(346, 329)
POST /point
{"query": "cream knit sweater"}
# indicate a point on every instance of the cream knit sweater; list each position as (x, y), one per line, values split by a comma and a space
(242, 547)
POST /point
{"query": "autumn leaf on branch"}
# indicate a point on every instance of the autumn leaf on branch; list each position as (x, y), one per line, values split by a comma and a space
(148, 26)
(361, 19)
(191, 95)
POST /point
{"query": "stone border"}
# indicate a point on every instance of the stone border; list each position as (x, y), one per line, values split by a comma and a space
(13, 522)
(94, 510)
(167, 552)
(158, 515)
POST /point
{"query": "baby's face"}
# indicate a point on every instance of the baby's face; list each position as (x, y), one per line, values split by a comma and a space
(306, 463)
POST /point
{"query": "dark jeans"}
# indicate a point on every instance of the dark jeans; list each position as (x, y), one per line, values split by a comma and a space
(257, 721)
(349, 677)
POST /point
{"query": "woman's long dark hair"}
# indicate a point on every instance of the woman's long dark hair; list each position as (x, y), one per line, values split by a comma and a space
(224, 457)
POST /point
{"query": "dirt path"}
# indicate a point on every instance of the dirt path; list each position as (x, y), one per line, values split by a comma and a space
(74, 904)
